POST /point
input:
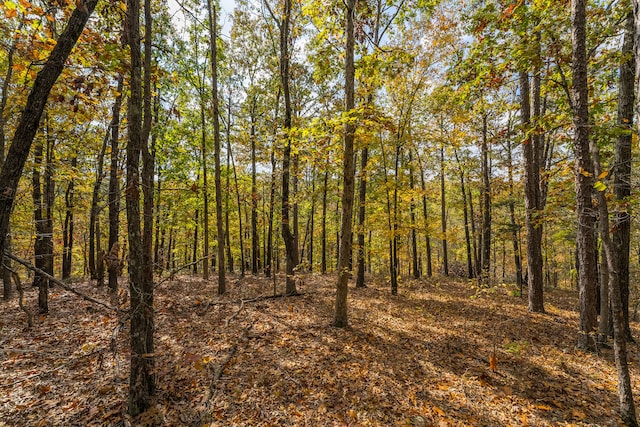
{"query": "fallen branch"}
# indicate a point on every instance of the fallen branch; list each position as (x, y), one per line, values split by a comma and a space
(226, 322)
(63, 285)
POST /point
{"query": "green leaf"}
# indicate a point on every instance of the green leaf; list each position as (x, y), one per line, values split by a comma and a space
(599, 186)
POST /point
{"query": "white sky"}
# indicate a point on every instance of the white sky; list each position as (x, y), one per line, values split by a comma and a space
(224, 19)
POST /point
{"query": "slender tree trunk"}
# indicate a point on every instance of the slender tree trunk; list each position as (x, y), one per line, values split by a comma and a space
(584, 179)
(323, 264)
(114, 190)
(465, 209)
(512, 217)
(195, 242)
(625, 391)
(348, 171)
(272, 197)
(312, 220)
(67, 251)
(533, 220)
(142, 375)
(622, 164)
(287, 235)
(240, 227)
(486, 204)
(362, 200)
(255, 238)
(213, 23)
(227, 196)
(6, 273)
(205, 195)
(426, 222)
(38, 217)
(412, 212)
(443, 216)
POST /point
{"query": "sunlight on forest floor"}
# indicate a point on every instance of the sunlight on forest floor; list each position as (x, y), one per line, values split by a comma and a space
(418, 359)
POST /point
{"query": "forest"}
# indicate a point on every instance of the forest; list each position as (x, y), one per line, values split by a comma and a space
(319, 213)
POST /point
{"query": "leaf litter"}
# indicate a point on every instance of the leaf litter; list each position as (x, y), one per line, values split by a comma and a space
(439, 354)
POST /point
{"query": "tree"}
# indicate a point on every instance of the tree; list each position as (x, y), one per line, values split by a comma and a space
(142, 377)
(348, 172)
(30, 118)
(583, 171)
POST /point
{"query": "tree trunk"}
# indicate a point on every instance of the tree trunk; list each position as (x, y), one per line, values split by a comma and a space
(287, 235)
(412, 212)
(512, 217)
(486, 205)
(467, 235)
(114, 190)
(583, 179)
(443, 216)
(205, 195)
(32, 112)
(348, 171)
(533, 220)
(6, 273)
(38, 216)
(625, 391)
(426, 221)
(227, 196)
(213, 36)
(255, 238)
(622, 164)
(362, 200)
(67, 251)
(323, 264)
(142, 375)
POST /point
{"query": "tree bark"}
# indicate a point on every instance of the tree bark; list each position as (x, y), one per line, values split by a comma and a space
(213, 37)
(287, 235)
(467, 235)
(443, 216)
(323, 263)
(583, 179)
(486, 204)
(622, 164)
(341, 319)
(113, 260)
(142, 376)
(67, 251)
(255, 238)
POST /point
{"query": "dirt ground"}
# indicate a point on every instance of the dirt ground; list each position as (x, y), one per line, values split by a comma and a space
(418, 359)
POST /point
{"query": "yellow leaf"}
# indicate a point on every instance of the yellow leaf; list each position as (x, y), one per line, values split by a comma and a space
(603, 175)
(542, 407)
(10, 5)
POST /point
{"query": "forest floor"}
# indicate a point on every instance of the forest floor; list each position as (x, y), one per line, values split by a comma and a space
(418, 359)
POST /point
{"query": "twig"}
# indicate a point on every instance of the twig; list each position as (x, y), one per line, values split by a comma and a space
(226, 322)
(60, 283)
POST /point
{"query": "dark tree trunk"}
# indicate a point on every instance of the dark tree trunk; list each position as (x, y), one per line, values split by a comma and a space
(625, 391)
(583, 179)
(6, 273)
(255, 238)
(362, 200)
(142, 375)
(622, 165)
(205, 195)
(348, 171)
(194, 258)
(227, 196)
(486, 204)
(323, 263)
(533, 220)
(443, 216)
(240, 227)
(32, 112)
(512, 217)
(287, 235)
(38, 216)
(213, 36)
(412, 212)
(425, 217)
(467, 236)
(114, 190)
(67, 251)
